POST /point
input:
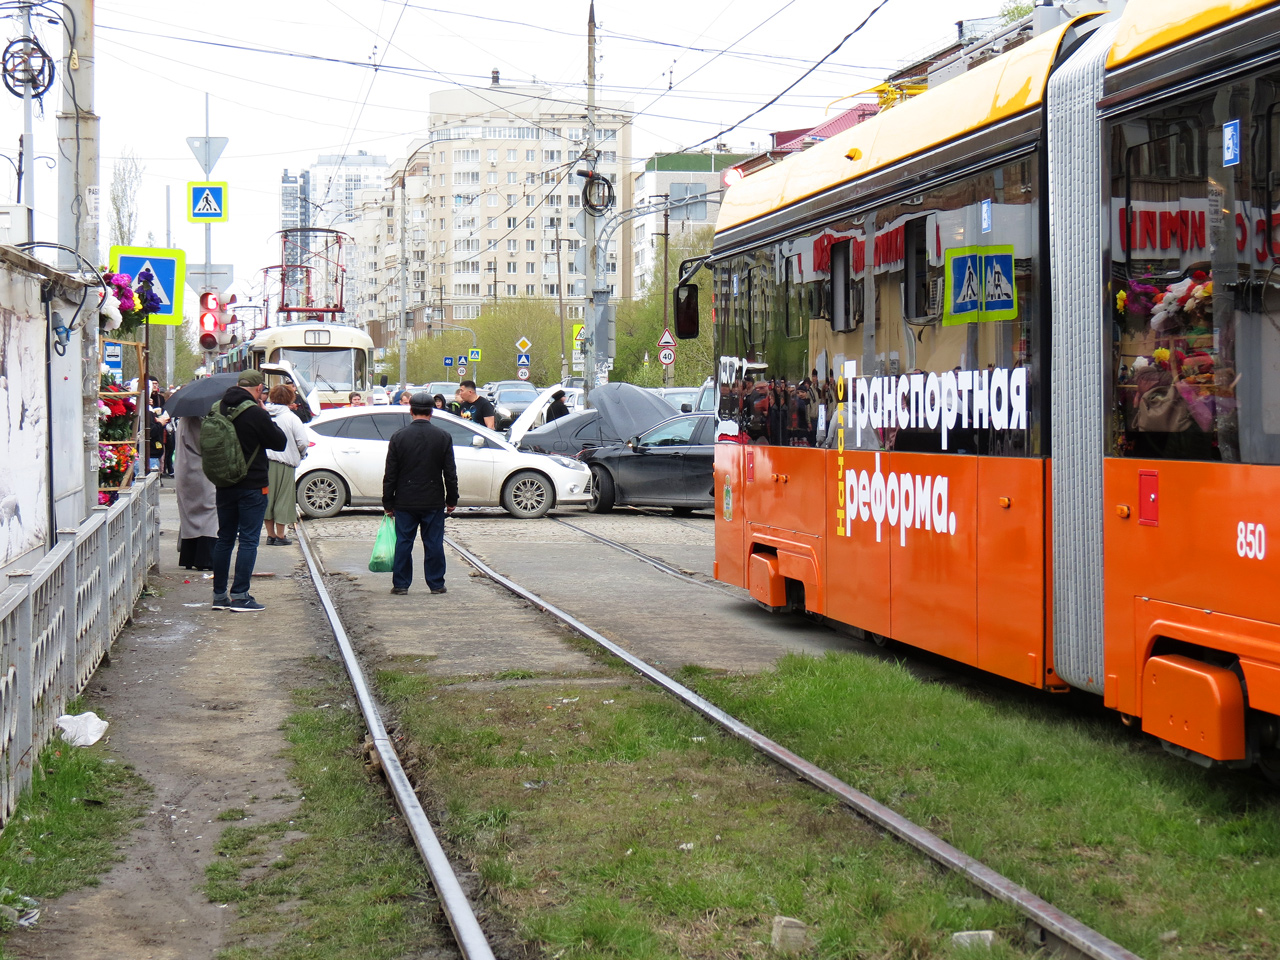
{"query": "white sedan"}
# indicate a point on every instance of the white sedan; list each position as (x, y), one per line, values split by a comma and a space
(348, 452)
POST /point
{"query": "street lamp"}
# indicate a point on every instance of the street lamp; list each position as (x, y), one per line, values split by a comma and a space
(404, 264)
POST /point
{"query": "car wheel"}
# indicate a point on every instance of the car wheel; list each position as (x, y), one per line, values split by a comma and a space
(602, 496)
(321, 494)
(528, 495)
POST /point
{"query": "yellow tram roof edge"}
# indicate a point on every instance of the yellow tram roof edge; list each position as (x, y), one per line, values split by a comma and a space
(997, 90)
(1147, 26)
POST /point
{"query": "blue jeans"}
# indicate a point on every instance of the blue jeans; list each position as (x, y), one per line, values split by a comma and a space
(240, 514)
(431, 523)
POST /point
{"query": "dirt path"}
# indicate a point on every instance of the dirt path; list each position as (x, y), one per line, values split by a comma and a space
(196, 699)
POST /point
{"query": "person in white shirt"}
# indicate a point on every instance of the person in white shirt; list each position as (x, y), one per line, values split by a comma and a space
(282, 497)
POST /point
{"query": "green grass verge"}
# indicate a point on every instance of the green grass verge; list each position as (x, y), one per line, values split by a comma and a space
(339, 879)
(1090, 816)
(611, 823)
(66, 830)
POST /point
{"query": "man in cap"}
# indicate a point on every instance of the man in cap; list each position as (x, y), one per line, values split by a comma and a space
(419, 487)
(242, 506)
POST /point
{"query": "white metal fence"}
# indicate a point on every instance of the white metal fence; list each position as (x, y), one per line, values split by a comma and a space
(59, 619)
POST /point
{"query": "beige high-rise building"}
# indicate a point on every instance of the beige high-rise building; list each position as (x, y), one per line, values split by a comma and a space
(487, 190)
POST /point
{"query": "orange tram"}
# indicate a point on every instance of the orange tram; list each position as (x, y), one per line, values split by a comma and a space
(999, 372)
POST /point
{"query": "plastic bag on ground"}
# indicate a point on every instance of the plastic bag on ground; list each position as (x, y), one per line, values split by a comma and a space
(83, 730)
(384, 547)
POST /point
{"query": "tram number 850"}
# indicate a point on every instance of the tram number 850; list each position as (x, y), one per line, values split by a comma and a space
(1251, 540)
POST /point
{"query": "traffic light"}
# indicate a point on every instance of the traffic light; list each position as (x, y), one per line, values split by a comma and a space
(210, 321)
(226, 319)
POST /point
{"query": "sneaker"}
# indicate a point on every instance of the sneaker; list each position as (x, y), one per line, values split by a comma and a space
(399, 591)
(439, 589)
(245, 605)
(221, 603)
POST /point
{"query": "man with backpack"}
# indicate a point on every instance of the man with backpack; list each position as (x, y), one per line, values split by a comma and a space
(234, 440)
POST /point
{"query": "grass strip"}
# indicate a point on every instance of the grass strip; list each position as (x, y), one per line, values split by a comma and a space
(339, 879)
(1162, 856)
(66, 830)
(606, 822)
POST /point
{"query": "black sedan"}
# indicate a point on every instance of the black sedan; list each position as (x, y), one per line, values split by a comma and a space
(509, 401)
(667, 466)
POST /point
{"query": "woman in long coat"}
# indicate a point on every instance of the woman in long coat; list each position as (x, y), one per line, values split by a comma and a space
(197, 507)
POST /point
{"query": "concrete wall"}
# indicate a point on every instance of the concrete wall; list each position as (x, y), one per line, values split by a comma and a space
(48, 407)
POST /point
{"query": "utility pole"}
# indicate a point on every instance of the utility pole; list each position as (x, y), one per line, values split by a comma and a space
(168, 330)
(667, 374)
(564, 364)
(590, 315)
(77, 141)
(404, 275)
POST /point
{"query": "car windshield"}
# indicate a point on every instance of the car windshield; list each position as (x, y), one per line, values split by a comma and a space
(673, 433)
(446, 387)
(517, 394)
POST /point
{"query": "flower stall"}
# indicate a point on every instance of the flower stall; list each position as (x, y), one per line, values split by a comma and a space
(122, 312)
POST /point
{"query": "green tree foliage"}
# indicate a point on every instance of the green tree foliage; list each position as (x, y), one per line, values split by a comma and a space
(639, 326)
(497, 329)
(1013, 10)
(640, 322)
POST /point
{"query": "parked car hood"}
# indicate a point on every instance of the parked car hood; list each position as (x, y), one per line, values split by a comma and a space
(627, 410)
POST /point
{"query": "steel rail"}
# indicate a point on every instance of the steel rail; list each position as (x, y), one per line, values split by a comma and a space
(1049, 918)
(646, 558)
(457, 909)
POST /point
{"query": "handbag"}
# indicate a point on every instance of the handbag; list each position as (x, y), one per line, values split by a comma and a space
(1162, 410)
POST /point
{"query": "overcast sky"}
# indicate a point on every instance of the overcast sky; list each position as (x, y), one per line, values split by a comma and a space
(690, 70)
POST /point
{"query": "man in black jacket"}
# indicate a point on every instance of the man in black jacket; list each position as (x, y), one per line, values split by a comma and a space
(241, 507)
(419, 486)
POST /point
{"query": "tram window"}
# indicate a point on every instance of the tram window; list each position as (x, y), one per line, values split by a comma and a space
(918, 285)
(1195, 297)
(846, 288)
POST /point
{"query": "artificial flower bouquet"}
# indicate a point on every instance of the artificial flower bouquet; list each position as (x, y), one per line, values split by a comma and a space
(127, 305)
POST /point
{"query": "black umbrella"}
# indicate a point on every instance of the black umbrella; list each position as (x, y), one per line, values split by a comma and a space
(195, 399)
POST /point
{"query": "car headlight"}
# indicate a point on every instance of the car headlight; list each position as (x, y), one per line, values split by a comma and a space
(566, 462)
(505, 411)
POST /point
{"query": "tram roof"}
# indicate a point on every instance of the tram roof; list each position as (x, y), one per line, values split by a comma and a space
(997, 90)
(1147, 26)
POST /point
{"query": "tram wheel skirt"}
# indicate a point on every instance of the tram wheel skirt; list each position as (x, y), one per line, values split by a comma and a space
(1194, 705)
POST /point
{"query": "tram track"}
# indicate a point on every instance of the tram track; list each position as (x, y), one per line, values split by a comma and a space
(1047, 924)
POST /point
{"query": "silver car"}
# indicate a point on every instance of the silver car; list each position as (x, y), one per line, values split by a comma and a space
(348, 453)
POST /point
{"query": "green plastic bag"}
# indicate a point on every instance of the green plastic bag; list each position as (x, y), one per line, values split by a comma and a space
(384, 547)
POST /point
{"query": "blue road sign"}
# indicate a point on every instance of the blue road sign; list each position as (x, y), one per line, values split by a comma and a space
(169, 267)
(980, 285)
(966, 283)
(206, 202)
(522, 359)
(475, 354)
(462, 359)
(448, 361)
(997, 282)
(1231, 143)
(986, 216)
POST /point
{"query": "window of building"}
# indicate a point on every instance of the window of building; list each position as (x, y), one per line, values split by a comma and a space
(492, 156)
(466, 156)
(419, 276)
(530, 267)
(512, 289)
(466, 289)
(552, 156)
(530, 289)
(695, 210)
(550, 290)
(513, 246)
(531, 246)
(554, 200)
(550, 176)
(419, 255)
(574, 201)
(491, 223)
(531, 156)
(640, 233)
(468, 311)
(530, 201)
(512, 176)
(530, 178)
(530, 223)
(512, 222)
(550, 223)
(492, 200)
(513, 267)
(512, 156)
(466, 266)
(608, 156)
(468, 245)
(492, 176)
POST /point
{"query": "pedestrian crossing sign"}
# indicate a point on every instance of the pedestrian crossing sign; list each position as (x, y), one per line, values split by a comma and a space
(169, 277)
(207, 202)
(979, 285)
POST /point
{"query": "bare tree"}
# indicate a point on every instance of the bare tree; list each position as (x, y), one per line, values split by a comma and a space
(126, 177)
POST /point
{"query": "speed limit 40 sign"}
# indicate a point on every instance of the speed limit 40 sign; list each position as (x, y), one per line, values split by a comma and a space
(667, 356)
